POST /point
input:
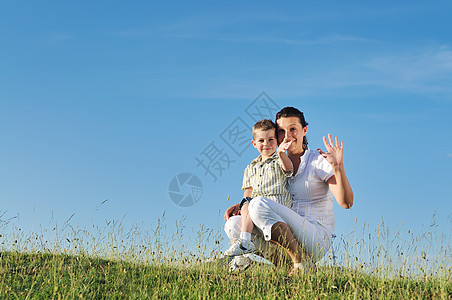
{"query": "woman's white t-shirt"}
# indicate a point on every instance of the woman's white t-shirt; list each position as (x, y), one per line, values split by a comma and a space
(312, 197)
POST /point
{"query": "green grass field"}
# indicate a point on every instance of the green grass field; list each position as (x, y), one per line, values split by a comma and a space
(59, 276)
(68, 262)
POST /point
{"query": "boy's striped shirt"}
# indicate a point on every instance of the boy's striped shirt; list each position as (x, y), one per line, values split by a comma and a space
(268, 179)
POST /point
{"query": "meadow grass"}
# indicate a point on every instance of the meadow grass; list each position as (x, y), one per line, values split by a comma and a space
(59, 276)
(111, 263)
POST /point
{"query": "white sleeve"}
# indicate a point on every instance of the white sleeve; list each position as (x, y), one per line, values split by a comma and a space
(323, 168)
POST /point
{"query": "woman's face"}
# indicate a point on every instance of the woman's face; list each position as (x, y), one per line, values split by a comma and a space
(291, 129)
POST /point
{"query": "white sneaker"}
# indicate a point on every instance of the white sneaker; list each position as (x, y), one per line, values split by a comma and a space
(239, 263)
(240, 247)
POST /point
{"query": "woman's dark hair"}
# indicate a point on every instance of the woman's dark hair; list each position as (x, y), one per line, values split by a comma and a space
(288, 112)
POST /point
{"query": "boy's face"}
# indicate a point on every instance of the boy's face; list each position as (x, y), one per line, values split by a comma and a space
(265, 142)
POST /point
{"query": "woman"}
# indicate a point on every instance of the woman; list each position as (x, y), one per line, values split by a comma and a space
(305, 230)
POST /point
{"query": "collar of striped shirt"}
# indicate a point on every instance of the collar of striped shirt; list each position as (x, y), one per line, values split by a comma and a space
(259, 158)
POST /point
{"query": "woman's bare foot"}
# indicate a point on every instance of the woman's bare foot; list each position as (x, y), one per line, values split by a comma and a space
(303, 268)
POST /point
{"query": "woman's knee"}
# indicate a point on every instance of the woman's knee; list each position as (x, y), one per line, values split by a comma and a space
(260, 206)
(256, 204)
(232, 227)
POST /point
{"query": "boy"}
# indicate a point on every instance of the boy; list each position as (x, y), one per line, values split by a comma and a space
(266, 176)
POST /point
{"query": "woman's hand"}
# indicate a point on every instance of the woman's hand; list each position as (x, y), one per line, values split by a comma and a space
(335, 152)
(234, 210)
(338, 183)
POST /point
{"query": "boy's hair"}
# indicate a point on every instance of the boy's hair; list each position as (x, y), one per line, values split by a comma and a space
(264, 125)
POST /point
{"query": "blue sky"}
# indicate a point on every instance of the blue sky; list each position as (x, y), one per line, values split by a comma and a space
(112, 100)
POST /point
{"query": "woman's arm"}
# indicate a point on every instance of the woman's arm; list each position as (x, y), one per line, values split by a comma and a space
(338, 183)
(341, 188)
(232, 211)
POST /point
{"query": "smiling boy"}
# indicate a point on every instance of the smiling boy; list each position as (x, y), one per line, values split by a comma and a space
(265, 176)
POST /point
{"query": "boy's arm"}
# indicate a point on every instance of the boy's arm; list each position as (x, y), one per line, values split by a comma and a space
(234, 209)
(248, 192)
(286, 163)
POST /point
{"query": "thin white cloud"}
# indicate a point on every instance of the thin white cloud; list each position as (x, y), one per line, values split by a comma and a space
(429, 71)
(60, 37)
(426, 71)
(222, 26)
(199, 24)
(391, 117)
(444, 58)
(251, 38)
(134, 33)
(415, 66)
(330, 39)
(449, 155)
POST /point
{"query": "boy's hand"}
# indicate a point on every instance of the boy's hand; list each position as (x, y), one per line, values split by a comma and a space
(284, 145)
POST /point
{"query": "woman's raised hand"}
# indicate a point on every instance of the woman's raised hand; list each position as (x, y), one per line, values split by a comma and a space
(335, 151)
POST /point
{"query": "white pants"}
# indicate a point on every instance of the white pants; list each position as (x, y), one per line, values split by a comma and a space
(313, 238)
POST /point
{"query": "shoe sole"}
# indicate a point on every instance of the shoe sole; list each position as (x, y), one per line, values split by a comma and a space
(244, 252)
